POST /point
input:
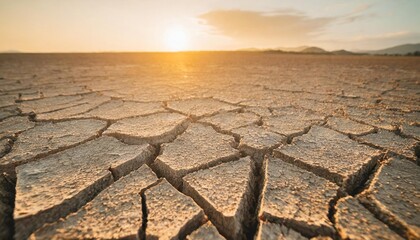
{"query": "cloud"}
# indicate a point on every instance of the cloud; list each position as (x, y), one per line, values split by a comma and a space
(265, 28)
(358, 13)
(385, 36)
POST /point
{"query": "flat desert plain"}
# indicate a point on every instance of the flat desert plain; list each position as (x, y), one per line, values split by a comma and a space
(210, 145)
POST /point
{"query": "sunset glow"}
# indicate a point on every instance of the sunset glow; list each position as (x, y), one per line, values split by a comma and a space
(153, 26)
(176, 39)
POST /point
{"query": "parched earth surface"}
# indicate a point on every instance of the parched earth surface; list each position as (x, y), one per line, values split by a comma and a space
(209, 146)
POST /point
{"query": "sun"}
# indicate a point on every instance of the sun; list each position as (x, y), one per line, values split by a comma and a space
(176, 39)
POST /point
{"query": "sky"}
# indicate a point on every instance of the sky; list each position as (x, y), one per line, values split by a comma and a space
(169, 25)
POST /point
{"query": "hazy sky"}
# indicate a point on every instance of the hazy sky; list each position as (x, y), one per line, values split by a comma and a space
(158, 25)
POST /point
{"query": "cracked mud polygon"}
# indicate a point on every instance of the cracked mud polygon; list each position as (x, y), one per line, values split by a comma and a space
(209, 146)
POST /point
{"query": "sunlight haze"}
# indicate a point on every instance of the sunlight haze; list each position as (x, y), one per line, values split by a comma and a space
(90, 26)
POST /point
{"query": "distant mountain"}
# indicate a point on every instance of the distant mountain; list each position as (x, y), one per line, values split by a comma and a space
(342, 52)
(313, 50)
(11, 51)
(294, 49)
(279, 49)
(405, 49)
(298, 50)
(400, 49)
(249, 50)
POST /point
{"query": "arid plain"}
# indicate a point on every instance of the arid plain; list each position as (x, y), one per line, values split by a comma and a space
(209, 146)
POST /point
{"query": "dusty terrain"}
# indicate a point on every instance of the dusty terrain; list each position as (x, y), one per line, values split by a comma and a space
(209, 146)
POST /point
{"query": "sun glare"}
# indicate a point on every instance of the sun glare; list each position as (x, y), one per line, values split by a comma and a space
(176, 39)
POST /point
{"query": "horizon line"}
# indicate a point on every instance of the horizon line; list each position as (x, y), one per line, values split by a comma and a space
(257, 49)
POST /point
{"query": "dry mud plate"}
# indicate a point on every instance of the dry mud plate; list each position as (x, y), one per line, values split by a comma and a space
(209, 146)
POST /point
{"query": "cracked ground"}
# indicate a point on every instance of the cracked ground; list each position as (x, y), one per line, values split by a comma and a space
(209, 146)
